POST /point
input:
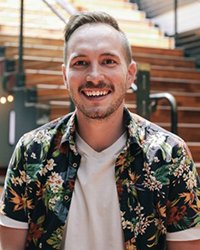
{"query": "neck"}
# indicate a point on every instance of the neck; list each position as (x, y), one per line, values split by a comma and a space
(100, 134)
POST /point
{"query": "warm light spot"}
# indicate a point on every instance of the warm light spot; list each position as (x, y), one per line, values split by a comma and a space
(10, 98)
(3, 100)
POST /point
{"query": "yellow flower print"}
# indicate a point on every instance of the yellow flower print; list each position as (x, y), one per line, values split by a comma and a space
(20, 202)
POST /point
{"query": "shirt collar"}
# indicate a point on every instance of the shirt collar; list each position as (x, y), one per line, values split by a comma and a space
(134, 124)
(136, 127)
(69, 134)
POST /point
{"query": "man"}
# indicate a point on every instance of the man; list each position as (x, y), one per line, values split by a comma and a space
(100, 178)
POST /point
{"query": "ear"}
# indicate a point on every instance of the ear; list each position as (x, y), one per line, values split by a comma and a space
(132, 70)
(64, 75)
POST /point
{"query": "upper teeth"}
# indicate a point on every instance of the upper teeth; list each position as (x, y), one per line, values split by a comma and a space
(96, 93)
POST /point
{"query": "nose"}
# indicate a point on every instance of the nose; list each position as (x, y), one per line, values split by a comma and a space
(95, 74)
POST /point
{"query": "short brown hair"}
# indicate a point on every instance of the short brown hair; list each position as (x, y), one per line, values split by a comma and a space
(77, 20)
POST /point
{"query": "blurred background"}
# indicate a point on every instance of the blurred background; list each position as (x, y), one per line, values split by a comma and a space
(165, 40)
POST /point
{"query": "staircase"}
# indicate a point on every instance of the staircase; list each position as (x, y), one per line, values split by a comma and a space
(189, 41)
(43, 55)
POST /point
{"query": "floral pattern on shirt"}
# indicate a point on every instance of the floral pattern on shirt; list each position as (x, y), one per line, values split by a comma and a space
(157, 183)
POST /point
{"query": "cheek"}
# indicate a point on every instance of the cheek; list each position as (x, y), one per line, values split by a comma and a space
(75, 77)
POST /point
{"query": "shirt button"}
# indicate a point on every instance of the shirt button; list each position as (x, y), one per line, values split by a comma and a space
(75, 165)
(40, 245)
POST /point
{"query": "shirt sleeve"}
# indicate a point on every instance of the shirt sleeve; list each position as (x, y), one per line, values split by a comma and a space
(183, 206)
(185, 235)
(14, 201)
(8, 222)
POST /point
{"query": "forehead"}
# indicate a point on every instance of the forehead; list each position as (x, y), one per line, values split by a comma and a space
(95, 36)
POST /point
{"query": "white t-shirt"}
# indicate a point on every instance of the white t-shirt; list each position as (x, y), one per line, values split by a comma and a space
(94, 218)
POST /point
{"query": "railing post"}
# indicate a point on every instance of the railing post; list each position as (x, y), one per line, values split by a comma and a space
(20, 74)
(143, 90)
(175, 19)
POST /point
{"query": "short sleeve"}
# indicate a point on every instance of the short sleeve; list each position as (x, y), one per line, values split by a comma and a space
(14, 201)
(183, 206)
(185, 235)
(7, 222)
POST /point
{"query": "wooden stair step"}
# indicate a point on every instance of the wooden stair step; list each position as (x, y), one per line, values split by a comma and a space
(132, 15)
(182, 99)
(163, 42)
(5, 37)
(165, 72)
(185, 114)
(192, 45)
(193, 51)
(54, 93)
(143, 25)
(34, 77)
(188, 33)
(164, 60)
(158, 51)
(41, 51)
(49, 63)
(184, 41)
(111, 4)
(32, 31)
(180, 84)
(187, 131)
(131, 34)
(39, 8)
(195, 150)
(45, 21)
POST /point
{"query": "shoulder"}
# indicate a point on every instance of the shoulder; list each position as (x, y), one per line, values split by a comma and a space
(45, 133)
(38, 141)
(158, 142)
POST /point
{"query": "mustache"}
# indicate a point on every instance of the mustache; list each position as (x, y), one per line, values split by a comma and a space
(100, 85)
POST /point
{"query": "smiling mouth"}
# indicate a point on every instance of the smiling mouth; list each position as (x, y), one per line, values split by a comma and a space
(96, 93)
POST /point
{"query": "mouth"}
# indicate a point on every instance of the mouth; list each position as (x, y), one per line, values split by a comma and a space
(95, 93)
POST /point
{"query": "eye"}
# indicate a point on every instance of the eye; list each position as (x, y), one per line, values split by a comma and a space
(109, 61)
(80, 63)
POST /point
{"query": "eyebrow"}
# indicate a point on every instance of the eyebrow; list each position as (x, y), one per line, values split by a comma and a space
(110, 55)
(102, 55)
(78, 55)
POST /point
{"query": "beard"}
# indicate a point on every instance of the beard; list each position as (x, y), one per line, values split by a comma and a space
(99, 112)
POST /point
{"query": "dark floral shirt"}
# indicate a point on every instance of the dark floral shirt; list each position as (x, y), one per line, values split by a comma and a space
(157, 183)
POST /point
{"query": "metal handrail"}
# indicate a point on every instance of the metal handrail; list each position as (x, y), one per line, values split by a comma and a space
(172, 101)
(66, 6)
(54, 11)
(155, 97)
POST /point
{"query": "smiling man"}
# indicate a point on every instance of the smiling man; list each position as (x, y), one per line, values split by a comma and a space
(100, 177)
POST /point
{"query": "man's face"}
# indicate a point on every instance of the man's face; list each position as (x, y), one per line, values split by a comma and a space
(97, 73)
